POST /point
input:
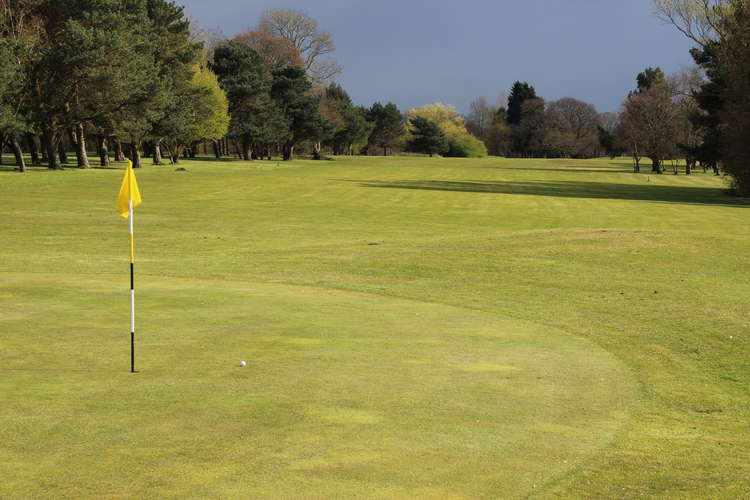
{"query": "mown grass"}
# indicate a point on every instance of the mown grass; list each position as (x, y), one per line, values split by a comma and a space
(414, 327)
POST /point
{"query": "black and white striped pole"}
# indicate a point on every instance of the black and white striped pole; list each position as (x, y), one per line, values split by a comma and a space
(132, 292)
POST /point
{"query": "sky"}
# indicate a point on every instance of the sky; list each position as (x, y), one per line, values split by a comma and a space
(417, 52)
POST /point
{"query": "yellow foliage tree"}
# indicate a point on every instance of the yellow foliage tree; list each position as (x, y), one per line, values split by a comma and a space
(214, 125)
(453, 125)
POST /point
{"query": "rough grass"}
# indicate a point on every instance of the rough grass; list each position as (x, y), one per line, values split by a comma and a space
(414, 327)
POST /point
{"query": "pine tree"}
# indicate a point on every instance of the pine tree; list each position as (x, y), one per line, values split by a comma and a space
(427, 137)
(289, 92)
(388, 126)
(90, 60)
(255, 118)
(520, 93)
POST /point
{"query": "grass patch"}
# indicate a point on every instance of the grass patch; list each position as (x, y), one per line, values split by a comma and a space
(413, 327)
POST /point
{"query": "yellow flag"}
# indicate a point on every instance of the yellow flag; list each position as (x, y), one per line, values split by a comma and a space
(128, 191)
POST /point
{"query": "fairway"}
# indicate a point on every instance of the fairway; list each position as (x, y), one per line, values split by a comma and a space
(413, 327)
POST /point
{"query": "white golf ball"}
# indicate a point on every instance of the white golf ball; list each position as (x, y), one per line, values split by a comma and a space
(242, 363)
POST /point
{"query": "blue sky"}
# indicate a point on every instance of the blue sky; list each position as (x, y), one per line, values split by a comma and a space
(415, 52)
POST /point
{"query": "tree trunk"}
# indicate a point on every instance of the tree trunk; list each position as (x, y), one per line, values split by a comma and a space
(237, 148)
(689, 162)
(33, 149)
(247, 149)
(80, 143)
(50, 140)
(119, 152)
(385, 151)
(61, 149)
(217, 151)
(157, 152)
(288, 153)
(656, 165)
(135, 155)
(2, 147)
(715, 166)
(18, 153)
(103, 151)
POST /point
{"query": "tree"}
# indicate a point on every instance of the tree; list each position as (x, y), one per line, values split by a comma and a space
(255, 118)
(650, 124)
(302, 32)
(387, 126)
(460, 142)
(520, 93)
(702, 21)
(574, 124)
(607, 124)
(200, 113)
(529, 137)
(736, 110)
(209, 37)
(650, 78)
(289, 92)
(277, 53)
(481, 118)
(178, 102)
(691, 135)
(348, 124)
(86, 65)
(12, 102)
(708, 23)
(426, 136)
(214, 123)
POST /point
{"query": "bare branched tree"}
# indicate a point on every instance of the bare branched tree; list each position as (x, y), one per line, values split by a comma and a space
(211, 37)
(684, 83)
(480, 119)
(277, 53)
(699, 20)
(302, 31)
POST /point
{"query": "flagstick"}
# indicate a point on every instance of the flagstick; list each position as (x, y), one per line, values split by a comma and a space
(132, 293)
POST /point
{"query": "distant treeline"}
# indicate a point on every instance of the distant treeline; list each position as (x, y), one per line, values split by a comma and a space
(139, 78)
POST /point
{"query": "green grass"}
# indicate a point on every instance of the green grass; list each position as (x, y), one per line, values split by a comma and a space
(414, 327)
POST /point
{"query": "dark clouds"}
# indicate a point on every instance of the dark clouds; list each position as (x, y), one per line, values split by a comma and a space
(415, 52)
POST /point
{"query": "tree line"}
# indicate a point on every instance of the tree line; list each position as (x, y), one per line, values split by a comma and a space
(699, 115)
(138, 78)
(126, 74)
(720, 30)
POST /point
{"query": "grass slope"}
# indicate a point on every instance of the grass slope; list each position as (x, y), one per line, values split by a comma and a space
(415, 327)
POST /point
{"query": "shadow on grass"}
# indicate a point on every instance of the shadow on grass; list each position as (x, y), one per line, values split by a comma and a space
(602, 170)
(610, 168)
(14, 168)
(574, 189)
(223, 159)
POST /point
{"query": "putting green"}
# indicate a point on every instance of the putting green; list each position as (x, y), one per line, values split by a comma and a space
(346, 393)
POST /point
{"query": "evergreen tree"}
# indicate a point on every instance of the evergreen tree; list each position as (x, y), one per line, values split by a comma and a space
(650, 78)
(90, 59)
(736, 109)
(348, 124)
(290, 93)
(387, 128)
(520, 93)
(12, 81)
(255, 118)
(427, 137)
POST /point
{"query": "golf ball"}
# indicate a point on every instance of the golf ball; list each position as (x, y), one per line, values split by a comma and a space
(242, 363)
